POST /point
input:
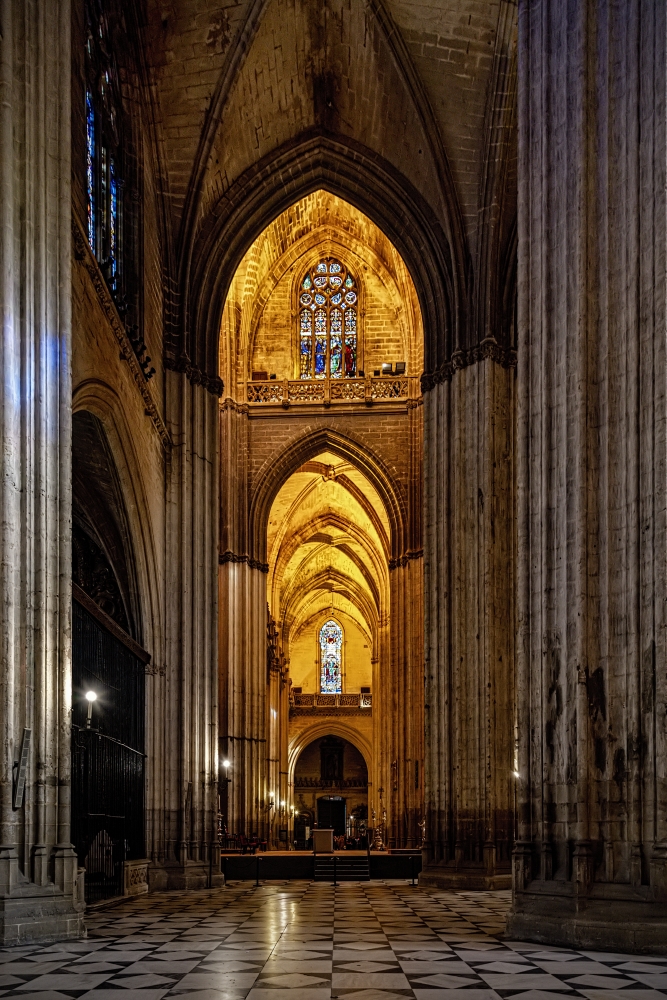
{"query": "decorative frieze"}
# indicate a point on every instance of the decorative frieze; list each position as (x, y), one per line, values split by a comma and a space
(232, 557)
(212, 383)
(489, 348)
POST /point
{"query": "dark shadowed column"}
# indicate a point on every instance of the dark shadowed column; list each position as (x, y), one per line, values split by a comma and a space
(590, 862)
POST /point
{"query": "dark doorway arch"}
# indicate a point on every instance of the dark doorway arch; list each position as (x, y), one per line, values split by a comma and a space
(331, 785)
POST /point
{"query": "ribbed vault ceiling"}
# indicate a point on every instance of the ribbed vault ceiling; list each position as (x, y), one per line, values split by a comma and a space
(327, 541)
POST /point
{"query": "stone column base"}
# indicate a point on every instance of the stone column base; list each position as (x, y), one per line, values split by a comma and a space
(35, 914)
(190, 875)
(610, 917)
(475, 878)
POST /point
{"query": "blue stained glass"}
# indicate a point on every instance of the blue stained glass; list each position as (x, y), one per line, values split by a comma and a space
(307, 283)
(90, 167)
(350, 298)
(335, 299)
(320, 357)
(336, 281)
(334, 267)
(113, 221)
(322, 267)
(306, 358)
(331, 649)
(349, 281)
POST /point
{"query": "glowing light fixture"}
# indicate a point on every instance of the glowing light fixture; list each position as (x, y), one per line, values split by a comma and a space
(90, 698)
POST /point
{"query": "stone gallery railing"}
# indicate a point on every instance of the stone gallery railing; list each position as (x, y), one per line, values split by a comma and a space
(331, 701)
(331, 391)
(330, 783)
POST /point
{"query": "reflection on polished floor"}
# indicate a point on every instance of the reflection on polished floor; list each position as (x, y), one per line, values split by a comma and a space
(309, 941)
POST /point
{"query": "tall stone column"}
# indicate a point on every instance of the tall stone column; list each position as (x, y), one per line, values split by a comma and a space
(191, 716)
(41, 898)
(399, 706)
(468, 620)
(244, 704)
(590, 866)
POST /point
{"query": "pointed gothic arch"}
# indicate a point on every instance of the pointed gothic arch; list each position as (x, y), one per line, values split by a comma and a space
(277, 471)
(356, 174)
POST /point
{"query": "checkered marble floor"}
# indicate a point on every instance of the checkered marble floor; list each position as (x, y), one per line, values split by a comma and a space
(309, 941)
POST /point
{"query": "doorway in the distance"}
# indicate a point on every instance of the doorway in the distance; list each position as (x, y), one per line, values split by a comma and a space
(331, 814)
(331, 785)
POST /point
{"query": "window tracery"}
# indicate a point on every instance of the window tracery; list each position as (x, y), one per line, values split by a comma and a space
(331, 658)
(328, 322)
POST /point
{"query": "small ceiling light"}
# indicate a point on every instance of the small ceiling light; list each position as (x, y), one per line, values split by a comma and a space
(91, 696)
(225, 763)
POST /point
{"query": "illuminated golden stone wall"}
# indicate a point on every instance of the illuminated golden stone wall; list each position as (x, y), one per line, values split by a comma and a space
(323, 520)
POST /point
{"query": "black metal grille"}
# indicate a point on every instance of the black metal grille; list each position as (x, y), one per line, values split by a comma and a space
(107, 758)
(101, 663)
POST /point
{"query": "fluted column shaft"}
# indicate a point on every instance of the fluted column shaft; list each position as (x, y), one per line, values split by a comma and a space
(591, 472)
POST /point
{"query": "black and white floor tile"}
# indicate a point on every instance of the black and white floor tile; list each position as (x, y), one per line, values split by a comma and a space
(309, 941)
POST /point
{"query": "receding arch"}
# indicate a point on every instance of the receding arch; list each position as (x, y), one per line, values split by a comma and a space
(277, 471)
(354, 173)
(103, 402)
(328, 727)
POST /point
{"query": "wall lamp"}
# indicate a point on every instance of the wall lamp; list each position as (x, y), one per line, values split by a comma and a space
(90, 698)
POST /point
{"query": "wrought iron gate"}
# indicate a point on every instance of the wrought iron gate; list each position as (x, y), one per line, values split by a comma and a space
(107, 752)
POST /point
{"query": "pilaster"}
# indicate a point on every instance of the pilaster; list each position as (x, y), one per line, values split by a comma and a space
(191, 711)
(469, 560)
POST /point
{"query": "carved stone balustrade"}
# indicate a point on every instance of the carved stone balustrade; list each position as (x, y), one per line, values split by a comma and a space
(372, 389)
(331, 704)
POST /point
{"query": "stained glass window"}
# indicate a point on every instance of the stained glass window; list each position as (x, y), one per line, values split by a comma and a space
(331, 657)
(328, 301)
(90, 165)
(104, 179)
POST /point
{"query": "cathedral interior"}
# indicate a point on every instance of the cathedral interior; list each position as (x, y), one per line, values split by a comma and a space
(333, 561)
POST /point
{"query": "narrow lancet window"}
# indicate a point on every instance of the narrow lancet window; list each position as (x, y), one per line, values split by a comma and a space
(104, 182)
(331, 657)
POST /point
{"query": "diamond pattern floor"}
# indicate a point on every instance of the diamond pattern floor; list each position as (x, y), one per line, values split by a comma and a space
(308, 941)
